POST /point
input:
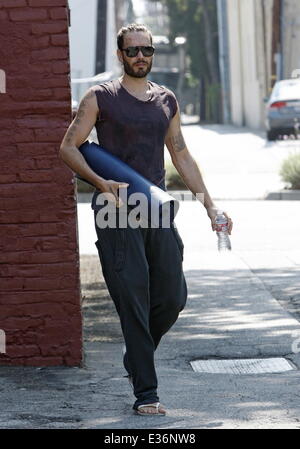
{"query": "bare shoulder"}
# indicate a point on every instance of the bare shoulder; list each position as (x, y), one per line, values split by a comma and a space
(95, 88)
(90, 93)
(88, 101)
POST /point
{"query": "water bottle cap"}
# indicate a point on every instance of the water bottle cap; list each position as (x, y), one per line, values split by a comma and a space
(219, 212)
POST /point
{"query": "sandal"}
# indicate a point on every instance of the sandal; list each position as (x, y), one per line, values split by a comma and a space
(159, 411)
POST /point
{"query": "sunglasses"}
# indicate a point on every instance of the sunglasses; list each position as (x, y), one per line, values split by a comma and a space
(132, 52)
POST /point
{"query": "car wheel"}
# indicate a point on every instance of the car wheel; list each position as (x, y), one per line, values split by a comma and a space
(271, 135)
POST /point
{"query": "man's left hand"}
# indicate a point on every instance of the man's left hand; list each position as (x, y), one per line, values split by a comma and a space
(212, 213)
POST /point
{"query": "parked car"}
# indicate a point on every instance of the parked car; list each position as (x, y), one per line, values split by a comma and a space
(283, 109)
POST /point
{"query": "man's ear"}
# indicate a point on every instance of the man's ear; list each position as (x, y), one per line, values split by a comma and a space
(120, 56)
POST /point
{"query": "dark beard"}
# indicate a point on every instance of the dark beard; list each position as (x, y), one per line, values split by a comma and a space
(141, 73)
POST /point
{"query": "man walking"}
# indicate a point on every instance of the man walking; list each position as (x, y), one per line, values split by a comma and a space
(142, 266)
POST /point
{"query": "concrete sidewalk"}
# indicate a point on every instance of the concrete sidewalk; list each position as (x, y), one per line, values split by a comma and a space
(238, 163)
(232, 312)
(240, 305)
(229, 314)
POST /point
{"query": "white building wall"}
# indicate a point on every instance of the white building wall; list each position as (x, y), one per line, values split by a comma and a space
(291, 37)
(249, 61)
(250, 55)
(83, 34)
(111, 60)
(268, 31)
(235, 65)
(247, 72)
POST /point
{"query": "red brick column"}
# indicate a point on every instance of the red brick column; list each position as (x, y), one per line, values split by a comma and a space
(40, 302)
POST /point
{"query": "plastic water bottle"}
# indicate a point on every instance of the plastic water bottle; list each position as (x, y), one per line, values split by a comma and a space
(222, 232)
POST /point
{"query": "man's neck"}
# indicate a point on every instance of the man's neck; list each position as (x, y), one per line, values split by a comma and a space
(138, 85)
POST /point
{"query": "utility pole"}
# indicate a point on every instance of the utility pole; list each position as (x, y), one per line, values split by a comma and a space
(224, 58)
(282, 37)
(265, 50)
(101, 36)
(276, 63)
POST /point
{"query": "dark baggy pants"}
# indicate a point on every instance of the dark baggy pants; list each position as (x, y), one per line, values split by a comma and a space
(142, 268)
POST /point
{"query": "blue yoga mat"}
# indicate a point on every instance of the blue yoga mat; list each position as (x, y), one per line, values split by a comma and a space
(109, 166)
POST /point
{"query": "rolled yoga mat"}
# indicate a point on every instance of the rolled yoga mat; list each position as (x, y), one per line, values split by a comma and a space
(160, 205)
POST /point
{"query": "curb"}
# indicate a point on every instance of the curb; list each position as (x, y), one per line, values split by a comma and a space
(180, 195)
(84, 197)
(286, 195)
(187, 195)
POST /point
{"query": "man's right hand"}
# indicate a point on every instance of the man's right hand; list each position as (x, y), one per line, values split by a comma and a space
(110, 189)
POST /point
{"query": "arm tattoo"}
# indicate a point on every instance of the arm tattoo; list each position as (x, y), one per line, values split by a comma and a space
(177, 142)
(79, 115)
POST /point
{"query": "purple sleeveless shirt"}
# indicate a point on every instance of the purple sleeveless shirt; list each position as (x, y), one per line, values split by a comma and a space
(135, 130)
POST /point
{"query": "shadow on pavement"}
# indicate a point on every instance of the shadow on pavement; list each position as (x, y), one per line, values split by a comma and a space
(228, 314)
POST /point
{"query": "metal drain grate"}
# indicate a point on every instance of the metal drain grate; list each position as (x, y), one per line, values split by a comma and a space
(242, 366)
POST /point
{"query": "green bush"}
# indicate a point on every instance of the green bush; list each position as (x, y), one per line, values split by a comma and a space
(290, 171)
(173, 179)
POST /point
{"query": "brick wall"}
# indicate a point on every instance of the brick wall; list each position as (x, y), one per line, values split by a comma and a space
(40, 310)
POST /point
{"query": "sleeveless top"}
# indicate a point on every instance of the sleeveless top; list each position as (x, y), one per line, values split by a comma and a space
(135, 130)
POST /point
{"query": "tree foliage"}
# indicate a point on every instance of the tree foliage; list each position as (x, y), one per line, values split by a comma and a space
(197, 21)
(187, 18)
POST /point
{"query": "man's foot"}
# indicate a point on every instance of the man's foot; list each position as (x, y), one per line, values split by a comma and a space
(151, 409)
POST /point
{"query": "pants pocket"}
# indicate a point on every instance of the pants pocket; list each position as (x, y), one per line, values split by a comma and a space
(178, 240)
(112, 251)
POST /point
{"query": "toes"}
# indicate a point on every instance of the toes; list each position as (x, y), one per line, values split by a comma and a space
(151, 410)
